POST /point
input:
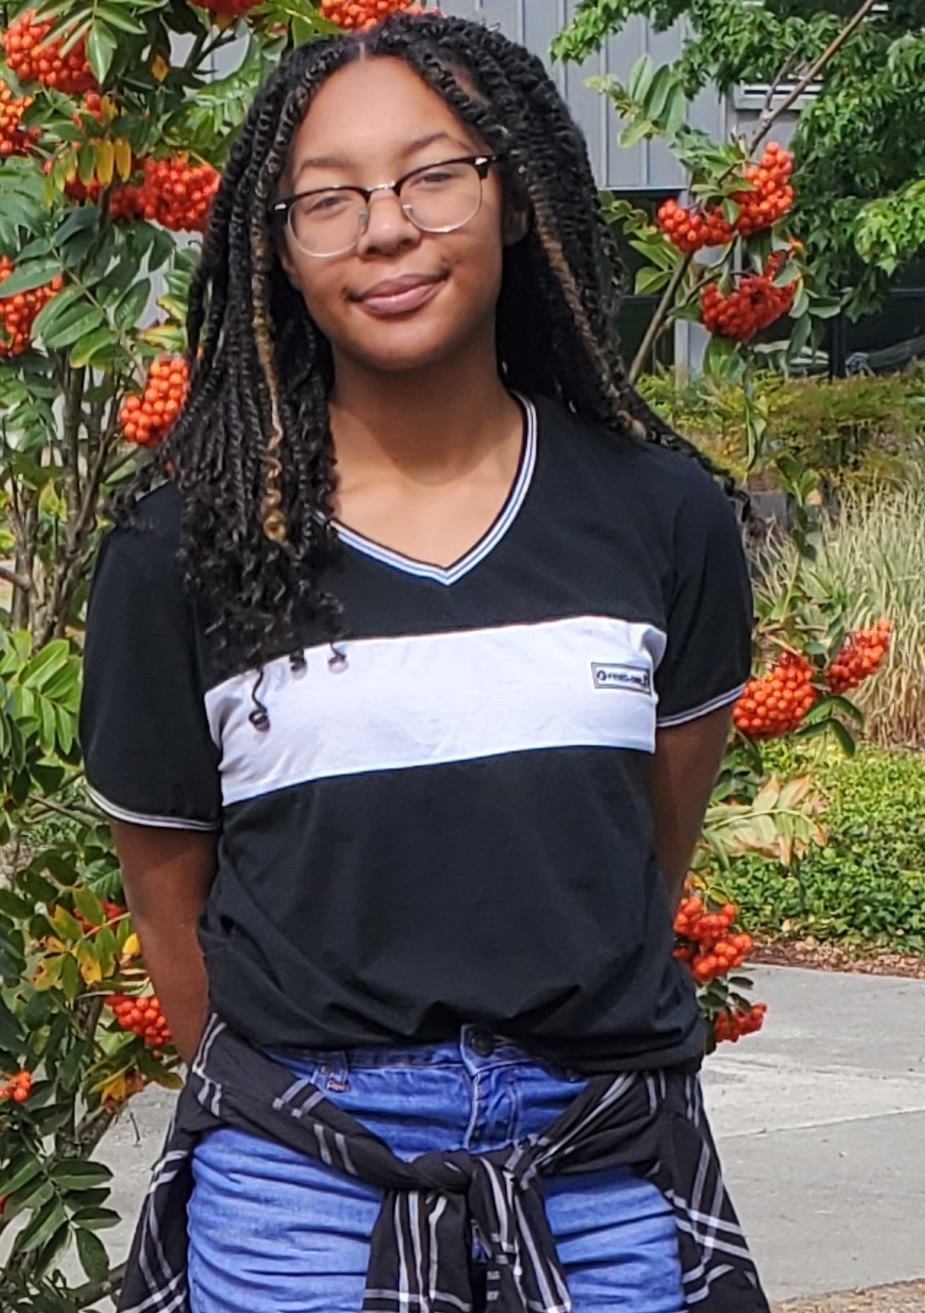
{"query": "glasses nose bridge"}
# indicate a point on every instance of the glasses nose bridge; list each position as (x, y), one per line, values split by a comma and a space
(369, 192)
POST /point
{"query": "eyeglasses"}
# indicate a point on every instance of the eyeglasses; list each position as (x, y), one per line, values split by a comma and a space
(438, 198)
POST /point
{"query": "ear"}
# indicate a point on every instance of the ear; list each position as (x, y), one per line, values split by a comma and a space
(516, 222)
(285, 259)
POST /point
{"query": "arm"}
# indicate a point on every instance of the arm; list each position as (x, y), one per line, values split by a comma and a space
(682, 773)
(167, 875)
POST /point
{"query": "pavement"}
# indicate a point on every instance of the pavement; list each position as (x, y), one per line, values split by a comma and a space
(820, 1121)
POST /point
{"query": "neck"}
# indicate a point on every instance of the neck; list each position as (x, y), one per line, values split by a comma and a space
(430, 424)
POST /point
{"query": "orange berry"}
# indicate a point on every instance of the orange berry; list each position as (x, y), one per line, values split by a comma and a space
(33, 59)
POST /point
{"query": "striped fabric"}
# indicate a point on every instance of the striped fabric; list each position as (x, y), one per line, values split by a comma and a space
(420, 1258)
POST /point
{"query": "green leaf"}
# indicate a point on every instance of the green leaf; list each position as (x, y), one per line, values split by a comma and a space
(92, 1254)
(117, 16)
(102, 340)
(649, 280)
(54, 309)
(635, 131)
(640, 78)
(78, 1173)
(656, 97)
(96, 1219)
(47, 661)
(35, 273)
(29, 1171)
(83, 321)
(131, 305)
(101, 46)
(41, 1227)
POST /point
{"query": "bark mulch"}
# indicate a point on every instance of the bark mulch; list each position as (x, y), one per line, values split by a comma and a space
(834, 957)
(907, 1297)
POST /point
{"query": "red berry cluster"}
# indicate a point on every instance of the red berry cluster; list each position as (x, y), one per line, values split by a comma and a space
(17, 312)
(732, 1023)
(14, 138)
(146, 418)
(771, 195)
(143, 1017)
(92, 104)
(692, 227)
(861, 654)
(707, 944)
(33, 59)
(17, 1087)
(355, 15)
(754, 303)
(176, 194)
(775, 703)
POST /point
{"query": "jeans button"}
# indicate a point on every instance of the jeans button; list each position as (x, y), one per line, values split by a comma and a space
(482, 1043)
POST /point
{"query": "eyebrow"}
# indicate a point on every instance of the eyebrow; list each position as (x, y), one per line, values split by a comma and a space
(340, 162)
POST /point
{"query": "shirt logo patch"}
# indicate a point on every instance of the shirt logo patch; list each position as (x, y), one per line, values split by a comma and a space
(633, 679)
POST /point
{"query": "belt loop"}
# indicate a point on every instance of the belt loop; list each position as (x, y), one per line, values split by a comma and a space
(333, 1072)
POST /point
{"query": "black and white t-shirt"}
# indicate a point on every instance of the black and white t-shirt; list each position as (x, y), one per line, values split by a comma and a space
(452, 824)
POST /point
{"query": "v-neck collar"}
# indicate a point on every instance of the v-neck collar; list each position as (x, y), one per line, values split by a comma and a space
(489, 540)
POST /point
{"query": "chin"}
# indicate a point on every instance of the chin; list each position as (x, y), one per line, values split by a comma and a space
(416, 352)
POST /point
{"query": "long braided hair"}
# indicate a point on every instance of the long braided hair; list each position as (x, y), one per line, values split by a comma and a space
(251, 451)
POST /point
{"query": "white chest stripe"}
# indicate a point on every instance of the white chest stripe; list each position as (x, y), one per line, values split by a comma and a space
(437, 698)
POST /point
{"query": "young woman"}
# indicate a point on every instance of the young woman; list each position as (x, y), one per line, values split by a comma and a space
(406, 687)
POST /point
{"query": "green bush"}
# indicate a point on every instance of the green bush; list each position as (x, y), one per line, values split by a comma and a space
(847, 428)
(872, 552)
(866, 887)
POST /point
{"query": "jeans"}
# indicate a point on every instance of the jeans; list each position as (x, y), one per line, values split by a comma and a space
(272, 1231)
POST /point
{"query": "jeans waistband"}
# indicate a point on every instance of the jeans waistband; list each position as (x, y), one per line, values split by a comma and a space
(477, 1048)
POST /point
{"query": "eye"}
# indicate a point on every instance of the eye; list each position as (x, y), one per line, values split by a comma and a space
(325, 204)
(440, 175)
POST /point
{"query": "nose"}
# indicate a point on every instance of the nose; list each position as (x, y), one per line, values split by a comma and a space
(387, 228)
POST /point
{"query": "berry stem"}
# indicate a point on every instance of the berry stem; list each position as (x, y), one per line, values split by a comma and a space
(659, 320)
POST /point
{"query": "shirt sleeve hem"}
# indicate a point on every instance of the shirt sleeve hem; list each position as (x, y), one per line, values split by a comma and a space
(142, 818)
(714, 704)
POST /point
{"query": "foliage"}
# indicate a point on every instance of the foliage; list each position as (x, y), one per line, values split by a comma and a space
(99, 196)
(106, 178)
(860, 159)
(866, 885)
(872, 550)
(860, 429)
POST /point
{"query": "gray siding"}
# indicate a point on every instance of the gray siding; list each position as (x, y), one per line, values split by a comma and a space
(647, 166)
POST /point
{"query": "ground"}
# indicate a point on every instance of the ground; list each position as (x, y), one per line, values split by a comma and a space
(832, 957)
(908, 1297)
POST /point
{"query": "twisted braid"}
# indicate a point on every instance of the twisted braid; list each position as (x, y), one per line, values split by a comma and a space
(251, 450)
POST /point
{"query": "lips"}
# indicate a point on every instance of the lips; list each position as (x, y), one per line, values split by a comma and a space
(397, 296)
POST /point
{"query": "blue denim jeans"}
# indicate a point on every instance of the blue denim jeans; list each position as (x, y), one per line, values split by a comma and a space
(274, 1232)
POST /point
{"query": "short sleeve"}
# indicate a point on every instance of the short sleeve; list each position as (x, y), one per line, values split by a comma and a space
(707, 658)
(148, 754)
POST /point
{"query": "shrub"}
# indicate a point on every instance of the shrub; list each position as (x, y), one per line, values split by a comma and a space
(866, 886)
(872, 552)
(850, 430)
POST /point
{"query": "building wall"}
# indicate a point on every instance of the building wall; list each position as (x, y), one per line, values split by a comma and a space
(647, 166)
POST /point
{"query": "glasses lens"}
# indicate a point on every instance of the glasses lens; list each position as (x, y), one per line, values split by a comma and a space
(326, 222)
(442, 197)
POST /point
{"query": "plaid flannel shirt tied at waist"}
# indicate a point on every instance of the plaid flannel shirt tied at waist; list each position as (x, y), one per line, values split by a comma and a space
(420, 1253)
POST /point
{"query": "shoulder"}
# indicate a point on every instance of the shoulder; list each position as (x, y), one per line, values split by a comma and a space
(645, 478)
(148, 537)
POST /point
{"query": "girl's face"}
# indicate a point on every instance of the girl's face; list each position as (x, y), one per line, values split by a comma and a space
(402, 299)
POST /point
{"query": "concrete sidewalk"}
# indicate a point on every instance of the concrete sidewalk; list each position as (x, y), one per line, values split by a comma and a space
(821, 1123)
(820, 1120)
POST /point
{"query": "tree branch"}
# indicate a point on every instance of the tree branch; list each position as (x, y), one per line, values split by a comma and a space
(659, 319)
(770, 116)
(86, 1295)
(21, 581)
